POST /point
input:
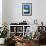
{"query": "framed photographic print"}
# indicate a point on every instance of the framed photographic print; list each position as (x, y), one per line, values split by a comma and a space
(26, 9)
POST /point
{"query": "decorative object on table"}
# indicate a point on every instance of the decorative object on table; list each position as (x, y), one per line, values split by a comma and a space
(4, 32)
(41, 28)
(35, 21)
(27, 9)
(23, 23)
(42, 23)
(28, 33)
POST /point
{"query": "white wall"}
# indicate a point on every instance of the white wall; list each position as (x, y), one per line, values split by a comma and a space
(4, 11)
(13, 11)
(16, 11)
(0, 13)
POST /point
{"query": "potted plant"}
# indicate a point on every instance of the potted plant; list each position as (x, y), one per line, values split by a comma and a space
(3, 34)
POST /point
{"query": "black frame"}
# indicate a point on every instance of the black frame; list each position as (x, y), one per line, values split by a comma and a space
(30, 7)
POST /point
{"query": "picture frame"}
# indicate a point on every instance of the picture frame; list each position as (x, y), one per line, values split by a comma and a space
(26, 9)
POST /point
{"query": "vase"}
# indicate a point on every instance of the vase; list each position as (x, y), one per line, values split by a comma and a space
(2, 40)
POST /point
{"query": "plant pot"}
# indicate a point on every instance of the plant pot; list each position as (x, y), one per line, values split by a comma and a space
(2, 40)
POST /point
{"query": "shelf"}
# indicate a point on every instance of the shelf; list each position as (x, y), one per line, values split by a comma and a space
(12, 32)
(20, 29)
(19, 25)
(19, 32)
(16, 32)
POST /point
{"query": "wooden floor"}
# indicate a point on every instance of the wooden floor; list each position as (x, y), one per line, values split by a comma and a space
(1, 45)
(42, 45)
(36, 44)
(32, 45)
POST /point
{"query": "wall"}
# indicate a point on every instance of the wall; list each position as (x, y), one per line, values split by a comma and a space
(39, 10)
(0, 13)
(16, 11)
(13, 11)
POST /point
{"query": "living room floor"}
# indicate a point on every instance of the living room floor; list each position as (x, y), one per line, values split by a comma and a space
(33, 45)
(42, 45)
